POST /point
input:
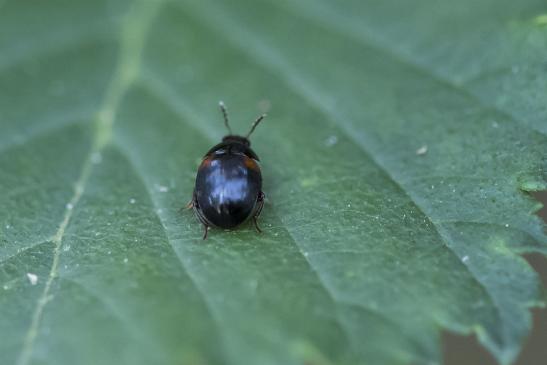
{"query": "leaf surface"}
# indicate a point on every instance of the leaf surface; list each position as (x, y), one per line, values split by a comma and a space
(400, 143)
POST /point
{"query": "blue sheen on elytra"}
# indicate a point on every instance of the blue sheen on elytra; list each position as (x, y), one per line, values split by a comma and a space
(227, 189)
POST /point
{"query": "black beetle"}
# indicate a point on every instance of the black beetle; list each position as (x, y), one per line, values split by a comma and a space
(228, 188)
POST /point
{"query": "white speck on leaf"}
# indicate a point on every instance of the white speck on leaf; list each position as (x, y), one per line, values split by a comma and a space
(6, 287)
(495, 124)
(69, 206)
(132, 201)
(33, 278)
(506, 225)
(125, 260)
(66, 248)
(465, 258)
(8, 226)
(422, 150)
(161, 188)
(331, 141)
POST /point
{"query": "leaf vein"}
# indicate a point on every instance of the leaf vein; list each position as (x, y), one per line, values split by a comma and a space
(267, 58)
(132, 38)
(366, 38)
(183, 264)
(161, 88)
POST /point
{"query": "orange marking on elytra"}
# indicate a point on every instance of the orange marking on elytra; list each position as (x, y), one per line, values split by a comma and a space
(205, 163)
(251, 164)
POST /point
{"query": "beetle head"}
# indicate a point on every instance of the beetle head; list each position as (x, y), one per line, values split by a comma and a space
(236, 139)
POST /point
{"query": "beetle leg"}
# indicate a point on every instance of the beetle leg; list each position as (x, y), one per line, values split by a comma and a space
(256, 225)
(260, 205)
(200, 216)
(260, 202)
(191, 204)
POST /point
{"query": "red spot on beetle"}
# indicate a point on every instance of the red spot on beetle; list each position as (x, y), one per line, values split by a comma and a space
(205, 163)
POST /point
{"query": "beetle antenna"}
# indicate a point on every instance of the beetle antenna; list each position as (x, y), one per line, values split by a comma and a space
(225, 115)
(258, 120)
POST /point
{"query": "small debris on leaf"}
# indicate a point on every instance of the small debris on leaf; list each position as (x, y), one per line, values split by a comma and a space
(331, 141)
(161, 188)
(33, 278)
(422, 150)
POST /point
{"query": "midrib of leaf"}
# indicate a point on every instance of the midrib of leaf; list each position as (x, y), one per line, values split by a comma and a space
(269, 59)
(167, 97)
(28, 343)
(132, 37)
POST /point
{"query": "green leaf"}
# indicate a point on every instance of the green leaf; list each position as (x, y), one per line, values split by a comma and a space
(401, 140)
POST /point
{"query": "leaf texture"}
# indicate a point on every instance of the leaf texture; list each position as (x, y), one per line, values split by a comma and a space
(401, 141)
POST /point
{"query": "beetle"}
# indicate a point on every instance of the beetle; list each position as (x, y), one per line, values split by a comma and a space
(228, 187)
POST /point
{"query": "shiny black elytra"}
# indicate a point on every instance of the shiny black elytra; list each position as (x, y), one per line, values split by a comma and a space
(228, 188)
